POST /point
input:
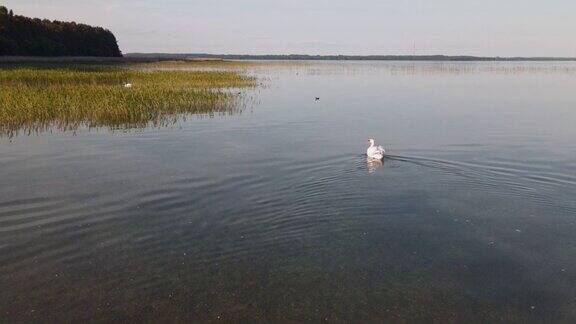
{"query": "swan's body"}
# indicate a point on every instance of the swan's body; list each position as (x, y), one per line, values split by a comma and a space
(375, 152)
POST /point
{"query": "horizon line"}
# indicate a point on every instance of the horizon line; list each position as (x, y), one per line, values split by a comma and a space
(348, 56)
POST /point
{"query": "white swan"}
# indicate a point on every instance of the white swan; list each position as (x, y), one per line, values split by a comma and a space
(375, 152)
(128, 85)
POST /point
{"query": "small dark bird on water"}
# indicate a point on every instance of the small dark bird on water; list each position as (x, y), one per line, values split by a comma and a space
(317, 98)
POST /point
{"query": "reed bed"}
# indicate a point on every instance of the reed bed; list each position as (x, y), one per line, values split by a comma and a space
(34, 98)
(219, 65)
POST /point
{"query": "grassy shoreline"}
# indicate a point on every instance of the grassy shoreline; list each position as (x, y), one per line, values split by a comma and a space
(35, 97)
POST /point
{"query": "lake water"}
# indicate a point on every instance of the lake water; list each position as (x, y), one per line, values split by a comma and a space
(274, 214)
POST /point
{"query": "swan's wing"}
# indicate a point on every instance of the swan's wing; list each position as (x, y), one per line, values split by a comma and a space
(381, 149)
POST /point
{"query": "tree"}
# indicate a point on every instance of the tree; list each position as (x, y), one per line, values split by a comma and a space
(21, 35)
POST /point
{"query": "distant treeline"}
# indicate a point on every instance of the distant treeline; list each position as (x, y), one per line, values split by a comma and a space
(342, 57)
(23, 36)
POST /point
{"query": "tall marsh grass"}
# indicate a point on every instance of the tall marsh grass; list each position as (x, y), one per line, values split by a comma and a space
(34, 98)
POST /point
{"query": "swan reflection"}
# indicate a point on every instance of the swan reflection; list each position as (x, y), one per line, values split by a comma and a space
(373, 164)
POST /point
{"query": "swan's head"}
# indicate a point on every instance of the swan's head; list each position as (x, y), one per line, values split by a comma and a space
(371, 141)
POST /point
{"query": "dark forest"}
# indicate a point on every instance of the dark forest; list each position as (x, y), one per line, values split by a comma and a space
(24, 36)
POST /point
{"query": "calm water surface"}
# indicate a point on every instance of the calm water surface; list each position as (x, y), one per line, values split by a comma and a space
(275, 215)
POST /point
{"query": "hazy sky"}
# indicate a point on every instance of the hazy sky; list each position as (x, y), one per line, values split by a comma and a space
(487, 27)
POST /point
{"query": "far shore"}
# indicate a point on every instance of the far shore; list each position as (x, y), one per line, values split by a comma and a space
(75, 59)
(155, 57)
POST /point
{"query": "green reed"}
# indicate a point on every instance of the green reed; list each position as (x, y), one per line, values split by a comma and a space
(34, 98)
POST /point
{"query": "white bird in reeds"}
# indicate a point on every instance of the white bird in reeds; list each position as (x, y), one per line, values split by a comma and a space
(375, 152)
(128, 85)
